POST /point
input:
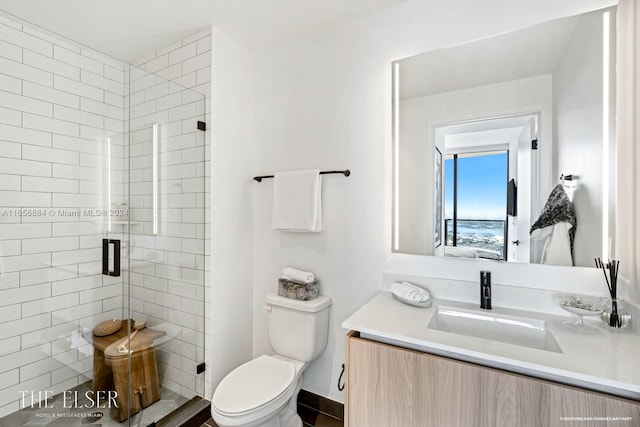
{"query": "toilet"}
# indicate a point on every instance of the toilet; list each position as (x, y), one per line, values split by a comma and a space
(263, 392)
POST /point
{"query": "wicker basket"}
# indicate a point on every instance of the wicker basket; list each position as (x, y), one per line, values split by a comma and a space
(297, 290)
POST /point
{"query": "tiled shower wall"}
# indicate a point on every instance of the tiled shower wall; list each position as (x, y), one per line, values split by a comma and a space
(169, 271)
(58, 104)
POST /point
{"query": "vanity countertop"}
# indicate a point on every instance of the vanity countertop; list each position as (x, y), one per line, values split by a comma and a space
(605, 360)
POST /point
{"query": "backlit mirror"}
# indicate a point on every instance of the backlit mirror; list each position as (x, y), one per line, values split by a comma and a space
(491, 134)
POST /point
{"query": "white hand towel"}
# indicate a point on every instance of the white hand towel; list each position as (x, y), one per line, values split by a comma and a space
(298, 275)
(410, 292)
(557, 243)
(297, 202)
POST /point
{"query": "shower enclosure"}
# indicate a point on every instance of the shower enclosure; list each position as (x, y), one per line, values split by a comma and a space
(103, 179)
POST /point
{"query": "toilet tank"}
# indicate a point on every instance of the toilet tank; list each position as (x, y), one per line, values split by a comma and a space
(298, 329)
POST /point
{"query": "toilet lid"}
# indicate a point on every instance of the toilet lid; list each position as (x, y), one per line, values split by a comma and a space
(253, 385)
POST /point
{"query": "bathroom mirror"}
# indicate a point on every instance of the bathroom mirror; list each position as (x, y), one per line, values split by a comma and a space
(484, 131)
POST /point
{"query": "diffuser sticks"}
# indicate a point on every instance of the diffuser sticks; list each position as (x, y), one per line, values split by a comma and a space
(610, 271)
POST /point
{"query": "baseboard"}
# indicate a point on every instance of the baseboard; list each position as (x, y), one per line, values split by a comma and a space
(310, 405)
(311, 408)
(194, 413)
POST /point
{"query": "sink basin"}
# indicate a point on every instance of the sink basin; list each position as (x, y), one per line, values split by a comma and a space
(507, 328)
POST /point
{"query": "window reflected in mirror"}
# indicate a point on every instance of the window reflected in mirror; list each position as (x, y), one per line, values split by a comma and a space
(508, 115)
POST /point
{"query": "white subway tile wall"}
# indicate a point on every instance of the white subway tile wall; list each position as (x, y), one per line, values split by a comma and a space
(62, 107)
(169, 274)
(59, 103)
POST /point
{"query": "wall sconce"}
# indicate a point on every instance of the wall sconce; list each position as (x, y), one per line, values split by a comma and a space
(606, 146)
(155, 178)
(108, 183)
(396, 155)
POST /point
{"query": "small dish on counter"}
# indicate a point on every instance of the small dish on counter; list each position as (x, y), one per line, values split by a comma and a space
(581, 306)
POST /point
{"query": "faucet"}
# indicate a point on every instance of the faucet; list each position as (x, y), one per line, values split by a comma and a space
(485, 290)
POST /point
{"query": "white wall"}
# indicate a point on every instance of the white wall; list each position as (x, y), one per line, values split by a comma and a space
(325, 101)
(577, 96)
(58, 104)
(232, 157)
(627, 172)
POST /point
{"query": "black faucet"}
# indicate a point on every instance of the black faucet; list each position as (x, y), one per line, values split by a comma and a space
(485, 290)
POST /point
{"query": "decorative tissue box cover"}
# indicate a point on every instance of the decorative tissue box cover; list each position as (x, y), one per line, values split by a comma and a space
(296, 290)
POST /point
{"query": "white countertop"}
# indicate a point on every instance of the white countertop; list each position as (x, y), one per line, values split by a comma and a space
(605, 360)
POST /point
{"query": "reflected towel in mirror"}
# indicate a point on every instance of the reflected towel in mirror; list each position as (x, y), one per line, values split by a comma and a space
(556, 226)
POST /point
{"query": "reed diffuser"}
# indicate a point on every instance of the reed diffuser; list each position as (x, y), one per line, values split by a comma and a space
(614, 315)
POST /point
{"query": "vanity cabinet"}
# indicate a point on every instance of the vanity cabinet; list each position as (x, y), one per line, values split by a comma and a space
(389, 386)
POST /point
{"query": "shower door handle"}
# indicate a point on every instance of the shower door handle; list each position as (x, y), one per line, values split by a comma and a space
(106, 243)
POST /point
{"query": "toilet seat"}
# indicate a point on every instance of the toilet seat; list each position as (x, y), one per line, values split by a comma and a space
(253, 386)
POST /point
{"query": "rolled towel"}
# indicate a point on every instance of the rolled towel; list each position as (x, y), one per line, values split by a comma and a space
(298, 275)
(410, 293)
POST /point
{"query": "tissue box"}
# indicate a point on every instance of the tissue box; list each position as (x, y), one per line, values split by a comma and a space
(297, 290)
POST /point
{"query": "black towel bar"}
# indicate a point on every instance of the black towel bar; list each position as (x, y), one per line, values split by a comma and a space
(345, 172)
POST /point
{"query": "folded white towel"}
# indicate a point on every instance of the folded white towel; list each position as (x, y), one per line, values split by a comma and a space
(298, 275)
(410, 292)
(297, 202)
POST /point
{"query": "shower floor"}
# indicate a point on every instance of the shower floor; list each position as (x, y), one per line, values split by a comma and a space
(58, 415)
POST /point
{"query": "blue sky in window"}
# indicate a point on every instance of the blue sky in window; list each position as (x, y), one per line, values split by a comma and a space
(482, 187)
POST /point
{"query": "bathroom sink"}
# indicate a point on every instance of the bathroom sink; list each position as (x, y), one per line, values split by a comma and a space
(507, 328)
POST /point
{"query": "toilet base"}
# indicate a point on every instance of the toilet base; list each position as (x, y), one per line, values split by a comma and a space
(294, 421)
(290, 421)
(285, 417)
(288, 416)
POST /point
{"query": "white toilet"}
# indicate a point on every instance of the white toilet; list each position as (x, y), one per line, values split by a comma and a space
(263, 392)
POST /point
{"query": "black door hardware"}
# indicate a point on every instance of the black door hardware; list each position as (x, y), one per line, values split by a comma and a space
(116, 257)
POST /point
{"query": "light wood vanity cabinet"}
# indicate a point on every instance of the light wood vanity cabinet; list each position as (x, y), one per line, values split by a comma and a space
(389, 386)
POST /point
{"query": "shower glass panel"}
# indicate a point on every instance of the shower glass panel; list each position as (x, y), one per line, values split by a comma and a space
(167, 233)
(102, 225)
(58, 179)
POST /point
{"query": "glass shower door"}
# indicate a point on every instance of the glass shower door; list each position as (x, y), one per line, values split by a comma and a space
(167, 184)
(71, 207)
(102, 237)
(56, 188)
